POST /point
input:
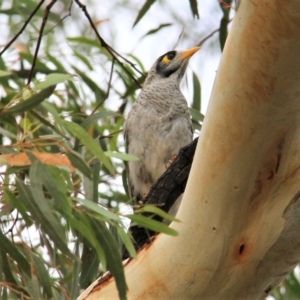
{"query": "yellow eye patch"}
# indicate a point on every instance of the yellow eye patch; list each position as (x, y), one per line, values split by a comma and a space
(166, 60)
(168, 57)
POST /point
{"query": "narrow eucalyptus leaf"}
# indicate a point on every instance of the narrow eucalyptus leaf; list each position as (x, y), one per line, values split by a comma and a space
(11, 249)
(29, 103)
(143, 11)
(38, 207)
(98, 209)
(113, 256)
(156, 210)
(42, 274)
(52, 79)
(197, 93)
(152, 224)
(78, 163)
(87, 232)
(90, 143)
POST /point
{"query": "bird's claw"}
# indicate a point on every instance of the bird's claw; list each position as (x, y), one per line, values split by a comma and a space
(168, 165)
(141, 202)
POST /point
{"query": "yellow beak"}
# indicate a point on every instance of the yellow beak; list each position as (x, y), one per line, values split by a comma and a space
(188, 53)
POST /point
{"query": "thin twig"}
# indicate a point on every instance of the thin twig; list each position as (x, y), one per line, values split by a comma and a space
(179, 38)
(62, 19)
(128, 61)
(45, 18)
(207, 37)
(12, 227)
(23, 27)
(111, 51)
(108, 136)
(108, 87)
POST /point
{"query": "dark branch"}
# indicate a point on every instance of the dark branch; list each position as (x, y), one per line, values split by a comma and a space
(208, 36)
(111, 51)
(45, 18)
(165, 192)
(23, 27)
(63, 18)
(108, 87)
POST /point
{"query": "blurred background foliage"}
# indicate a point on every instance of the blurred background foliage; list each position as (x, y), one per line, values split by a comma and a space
(64, 92)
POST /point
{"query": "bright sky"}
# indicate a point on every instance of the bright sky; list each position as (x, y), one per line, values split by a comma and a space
(118, 31)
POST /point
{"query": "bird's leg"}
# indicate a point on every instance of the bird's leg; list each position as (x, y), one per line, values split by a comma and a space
(168, 165)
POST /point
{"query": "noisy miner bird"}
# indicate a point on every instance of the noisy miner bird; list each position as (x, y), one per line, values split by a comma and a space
(158, 124)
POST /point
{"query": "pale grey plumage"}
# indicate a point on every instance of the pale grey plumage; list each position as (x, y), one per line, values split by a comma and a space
(158, 124)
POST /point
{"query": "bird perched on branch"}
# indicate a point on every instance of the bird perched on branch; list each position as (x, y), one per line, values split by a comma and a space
(158, 124)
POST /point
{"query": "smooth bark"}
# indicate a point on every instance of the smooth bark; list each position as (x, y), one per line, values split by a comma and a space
(239, 235)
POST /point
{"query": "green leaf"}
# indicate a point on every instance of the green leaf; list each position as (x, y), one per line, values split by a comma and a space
(55, 184)
(38, 206)
(56, 61)
(30, 103)
(152, 31)
(52, 79)
(196, 115)
(143, 11)
(197, 93)
(90, 120)
(152, 224)
(84, 59)
(122, 156)
(98, 209)
(49, 220)
(9, 276)
(12, 199)
(292, 286)
(42, 274)
(8, 247)
(78, 163)
(90, 143)
(125, 182)
(223, 31)
(83, 226)
(94, 87)
(74, 291)
(52, 109)
(4, 73)
(139, 63)
(95, 165)
(155, 210)
(113, 256)
(7, 133)
(89, 266)
(42, 67)
(127, 241)
(85, 40)
(88, 187)
(197, 119)
(33, 286)
(194, 8)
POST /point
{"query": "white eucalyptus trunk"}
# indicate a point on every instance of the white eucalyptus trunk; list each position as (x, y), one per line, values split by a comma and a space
(240, 230)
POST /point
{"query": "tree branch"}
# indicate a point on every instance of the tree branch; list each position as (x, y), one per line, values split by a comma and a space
(44, 22)
(111, 51)
(165, 192)
(23, 27)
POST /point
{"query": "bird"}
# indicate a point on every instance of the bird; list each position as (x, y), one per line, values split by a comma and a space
(158, 124)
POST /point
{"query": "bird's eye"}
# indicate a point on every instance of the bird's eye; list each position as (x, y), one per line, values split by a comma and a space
(168, 57)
